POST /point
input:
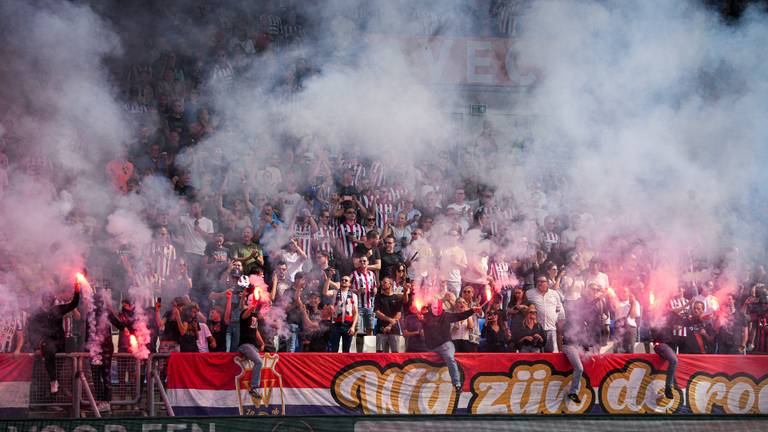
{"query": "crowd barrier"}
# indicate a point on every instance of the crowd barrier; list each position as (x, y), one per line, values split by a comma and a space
(306, 384)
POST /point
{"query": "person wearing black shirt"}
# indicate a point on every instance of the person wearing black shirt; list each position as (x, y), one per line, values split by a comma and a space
(414, 333)
(370, 249)
(219, 323)
(700, 336)
(390, 259)
(317, 325)
(47, 329)
(347, 191)
(388, 309)
(188, 330)
(125, 323)
(528, 334)
(495, 334)
(171, 325)
(251, 342)
(437, 334)
(732, 336)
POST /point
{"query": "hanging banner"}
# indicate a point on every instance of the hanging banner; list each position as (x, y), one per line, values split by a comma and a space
(15, 381)
(370, 384)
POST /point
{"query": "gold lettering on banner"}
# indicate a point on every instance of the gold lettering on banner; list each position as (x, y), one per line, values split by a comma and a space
(415, 388)
(735, 394)
(637, 389)
(529, 388)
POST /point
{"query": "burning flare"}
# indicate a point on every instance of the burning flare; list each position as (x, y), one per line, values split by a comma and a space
(81, 278)
(134, 343)
(488, 294)
(651, 299)
(418, 303)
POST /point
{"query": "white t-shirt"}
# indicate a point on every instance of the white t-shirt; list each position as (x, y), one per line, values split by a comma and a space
(451, 259)
(623, 312)
(193, 241)
(295, 263)
(601, 279)
(202, 338)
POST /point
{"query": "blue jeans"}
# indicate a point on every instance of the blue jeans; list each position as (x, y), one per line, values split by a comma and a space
(665, 351)
(365, 322)
(252, 353)
(341, 331)
(292, 341)
(234, 336)
(573, 353)
(551, 345)
(446, 351)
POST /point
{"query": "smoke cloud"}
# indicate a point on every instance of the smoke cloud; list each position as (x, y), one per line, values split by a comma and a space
(644, 119)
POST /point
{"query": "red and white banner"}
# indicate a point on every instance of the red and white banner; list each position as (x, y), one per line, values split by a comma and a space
(15, 381)
(329, 383)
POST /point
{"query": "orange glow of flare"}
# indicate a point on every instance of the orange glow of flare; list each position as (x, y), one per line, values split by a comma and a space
(134, 342)
(651, 299)
(488, 294)
(418, 303)
(81, 278)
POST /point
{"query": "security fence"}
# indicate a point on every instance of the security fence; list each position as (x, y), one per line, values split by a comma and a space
(136, 386)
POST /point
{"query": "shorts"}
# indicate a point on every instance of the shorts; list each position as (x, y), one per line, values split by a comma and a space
(365, 320)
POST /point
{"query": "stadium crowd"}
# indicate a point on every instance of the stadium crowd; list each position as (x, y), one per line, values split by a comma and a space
(312, 250)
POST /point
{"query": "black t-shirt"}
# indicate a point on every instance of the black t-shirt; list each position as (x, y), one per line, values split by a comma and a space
(347, 191)
(695, 343)
(219, 332)
(188, 342)
(218, 256)
(171, 331)
(521, 330)
(249, 325)
(362, 250)
(388, 305)
(389, 263)
(414, 343)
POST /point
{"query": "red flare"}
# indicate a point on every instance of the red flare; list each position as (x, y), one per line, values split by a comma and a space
(488, 294)
(134, 343)
(418, 303)
(651, 299)
(81, 278)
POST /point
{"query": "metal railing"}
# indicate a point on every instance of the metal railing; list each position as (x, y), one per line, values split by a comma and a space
(157, 366)
(74, 373)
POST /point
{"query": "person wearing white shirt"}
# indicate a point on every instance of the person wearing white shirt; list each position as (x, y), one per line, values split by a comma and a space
(551, 312)
(626, 320)
(711, 304)
(595, 276)
(204, 338)
(196, 232)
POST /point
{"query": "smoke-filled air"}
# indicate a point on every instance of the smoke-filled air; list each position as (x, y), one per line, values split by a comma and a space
(164, 149)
